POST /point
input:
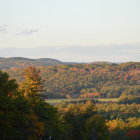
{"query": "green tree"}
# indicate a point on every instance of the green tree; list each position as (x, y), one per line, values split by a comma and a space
(96, 128)
(75, 117)
(7, 87)
(14, 111)
(45, 114)
(24, 119)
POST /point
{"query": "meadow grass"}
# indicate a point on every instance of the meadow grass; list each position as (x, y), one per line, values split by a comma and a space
(108, 99)
(57, 101)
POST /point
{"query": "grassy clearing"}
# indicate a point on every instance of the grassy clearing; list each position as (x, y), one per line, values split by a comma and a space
(108, 100)
(57, 101)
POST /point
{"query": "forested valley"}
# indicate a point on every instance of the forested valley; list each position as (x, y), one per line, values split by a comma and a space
(26, 115)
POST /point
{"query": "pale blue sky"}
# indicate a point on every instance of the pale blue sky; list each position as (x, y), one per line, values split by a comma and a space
(71, 30)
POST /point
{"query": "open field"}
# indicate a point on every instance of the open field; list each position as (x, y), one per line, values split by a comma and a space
(108, 99)
(57, 101)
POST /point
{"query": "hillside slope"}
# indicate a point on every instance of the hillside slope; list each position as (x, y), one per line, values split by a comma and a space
(106, 79)
(21, 62)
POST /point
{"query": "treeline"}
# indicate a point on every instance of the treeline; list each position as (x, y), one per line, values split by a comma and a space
(111, 120)
(104, 80)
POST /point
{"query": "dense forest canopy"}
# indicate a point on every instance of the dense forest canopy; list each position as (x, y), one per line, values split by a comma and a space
(104, 80)
(25, 115)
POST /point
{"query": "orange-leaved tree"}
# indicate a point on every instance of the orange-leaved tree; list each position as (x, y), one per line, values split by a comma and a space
(33, 84)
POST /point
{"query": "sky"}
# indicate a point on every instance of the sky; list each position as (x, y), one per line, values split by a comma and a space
(71, 30)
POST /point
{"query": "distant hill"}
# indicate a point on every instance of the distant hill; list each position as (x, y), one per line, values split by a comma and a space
(21, 62)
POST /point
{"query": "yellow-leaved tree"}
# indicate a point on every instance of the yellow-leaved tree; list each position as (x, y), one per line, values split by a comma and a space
(33, 84)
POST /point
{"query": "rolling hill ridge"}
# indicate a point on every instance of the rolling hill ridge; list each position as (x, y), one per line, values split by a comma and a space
(21, 62)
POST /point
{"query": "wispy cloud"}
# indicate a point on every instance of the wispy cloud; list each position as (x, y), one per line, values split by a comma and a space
(3, 28)
(27, 32)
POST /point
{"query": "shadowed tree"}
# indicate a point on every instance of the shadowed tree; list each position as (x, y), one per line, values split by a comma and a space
(96, 128)
(7, 87)
(15, 111)
(26, 118)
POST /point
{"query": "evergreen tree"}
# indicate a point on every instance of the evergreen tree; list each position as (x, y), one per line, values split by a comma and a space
(33, 84)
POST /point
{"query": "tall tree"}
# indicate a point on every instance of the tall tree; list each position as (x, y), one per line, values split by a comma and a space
(7, 87)
(17, 118)
(46, 115)
(26, 118)
(33, 84)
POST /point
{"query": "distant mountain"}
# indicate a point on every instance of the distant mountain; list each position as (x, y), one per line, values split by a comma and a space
(21, 62)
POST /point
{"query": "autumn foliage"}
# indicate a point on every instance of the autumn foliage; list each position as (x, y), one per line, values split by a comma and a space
(90, 95)
(133, 134)
(33, 84)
